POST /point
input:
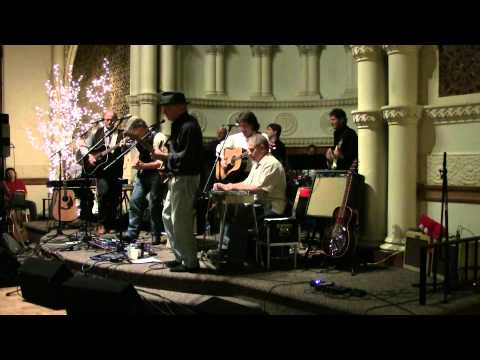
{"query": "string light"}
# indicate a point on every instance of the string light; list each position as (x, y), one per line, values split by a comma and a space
(61, 126)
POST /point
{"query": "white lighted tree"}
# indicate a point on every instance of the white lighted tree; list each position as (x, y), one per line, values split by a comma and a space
(62, 125)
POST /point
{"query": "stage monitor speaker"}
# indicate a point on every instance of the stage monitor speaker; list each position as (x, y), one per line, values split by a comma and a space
(8, 266)
(4, 135)
(41, 282)
(220, 306)
(328, 192)
(98, 296)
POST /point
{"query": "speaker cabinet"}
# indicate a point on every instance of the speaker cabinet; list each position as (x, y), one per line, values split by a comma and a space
(41, 282)
(99, 296)
(328, 192)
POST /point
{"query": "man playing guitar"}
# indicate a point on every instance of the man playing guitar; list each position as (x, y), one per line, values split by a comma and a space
(249, 126)
(345, 149)
(149, 180)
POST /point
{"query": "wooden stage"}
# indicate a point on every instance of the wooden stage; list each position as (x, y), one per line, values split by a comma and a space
(389, 290)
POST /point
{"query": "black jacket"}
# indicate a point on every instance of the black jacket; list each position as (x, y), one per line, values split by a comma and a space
(186, 147)
(346, 139)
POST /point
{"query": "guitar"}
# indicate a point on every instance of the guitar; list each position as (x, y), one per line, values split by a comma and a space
(234, 160)
(149, 147)
(102, 158)
(340, 234)
(332, 164)
(68, 210)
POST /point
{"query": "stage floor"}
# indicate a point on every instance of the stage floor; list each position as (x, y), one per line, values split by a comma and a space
(390, 290)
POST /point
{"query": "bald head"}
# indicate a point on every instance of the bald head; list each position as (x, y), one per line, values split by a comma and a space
(109, 118)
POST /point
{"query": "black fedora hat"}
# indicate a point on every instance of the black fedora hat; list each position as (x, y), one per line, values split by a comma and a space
(172, 98)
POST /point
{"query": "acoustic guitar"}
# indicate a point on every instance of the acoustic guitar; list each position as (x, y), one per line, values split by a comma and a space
(68, 211)
(340, 240)
(234, 160)
(102, 157)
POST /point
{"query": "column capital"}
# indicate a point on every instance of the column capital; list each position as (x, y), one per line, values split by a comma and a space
(147, 98)
(258, 50)
(211, 49)
(401, 49)
(365, 52)
(221, 49)
(367, 119)
(310, 49)
(402, 115)
(132, 99)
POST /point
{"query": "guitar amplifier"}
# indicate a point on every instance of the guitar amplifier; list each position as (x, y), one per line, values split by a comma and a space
(328, 191)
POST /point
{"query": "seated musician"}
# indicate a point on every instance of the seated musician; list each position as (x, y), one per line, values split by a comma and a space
(266, 179)
(148, 181)
(249, 127)
(12, 185)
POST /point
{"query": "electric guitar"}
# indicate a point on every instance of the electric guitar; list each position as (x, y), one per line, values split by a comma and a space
(340, 239)
(234, 160)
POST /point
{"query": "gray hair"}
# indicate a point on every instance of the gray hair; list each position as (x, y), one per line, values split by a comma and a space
(258, 140)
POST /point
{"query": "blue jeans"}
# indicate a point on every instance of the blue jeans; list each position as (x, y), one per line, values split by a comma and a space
(144, 184)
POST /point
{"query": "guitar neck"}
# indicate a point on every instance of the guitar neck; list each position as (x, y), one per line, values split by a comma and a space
(346, 195)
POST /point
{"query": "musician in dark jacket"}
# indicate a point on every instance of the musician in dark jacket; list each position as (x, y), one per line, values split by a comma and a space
(184, 165)
(109, 187)
(345, 148)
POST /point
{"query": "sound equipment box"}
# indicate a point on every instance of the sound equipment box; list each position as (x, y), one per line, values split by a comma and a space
(41, 282)
(11, 244)
(328, 192)
(8, 266)
(98, 296)
(411, 261)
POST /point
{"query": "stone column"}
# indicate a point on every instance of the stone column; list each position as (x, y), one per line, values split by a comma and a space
(168, 68)
(134, 80)
(220, 71)
(147, 96)
(257, 71)
(210, 71)
(402, 115)
(350, 71)
(371, 140)
(266, 76)
(304, 59)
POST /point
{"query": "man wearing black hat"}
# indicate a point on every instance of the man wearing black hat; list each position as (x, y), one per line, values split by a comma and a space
(184, 165)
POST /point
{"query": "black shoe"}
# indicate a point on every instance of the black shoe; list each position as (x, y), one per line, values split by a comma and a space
(183, 268)
(128, 238)
(172, 264)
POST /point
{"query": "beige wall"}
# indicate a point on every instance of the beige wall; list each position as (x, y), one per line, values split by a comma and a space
(458, 136)
(26, 68)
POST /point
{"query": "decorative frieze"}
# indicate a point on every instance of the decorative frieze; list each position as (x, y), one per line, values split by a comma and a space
(296, 142)
(288, 122)
(397, 115)
(463, 169)
(367, 119)
(453, 114)
(269, 104)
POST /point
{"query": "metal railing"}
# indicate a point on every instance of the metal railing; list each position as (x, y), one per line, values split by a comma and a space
(456, 273)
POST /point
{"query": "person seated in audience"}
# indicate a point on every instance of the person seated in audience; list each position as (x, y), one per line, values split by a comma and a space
(13, 185)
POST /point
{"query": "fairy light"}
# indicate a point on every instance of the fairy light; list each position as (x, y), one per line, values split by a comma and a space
(65, 120)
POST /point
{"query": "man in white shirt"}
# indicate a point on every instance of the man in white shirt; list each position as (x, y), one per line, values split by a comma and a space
(267, 180)
(249, 126)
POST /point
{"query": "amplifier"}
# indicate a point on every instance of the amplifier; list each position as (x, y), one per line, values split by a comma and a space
(328, 192)
(411, 261)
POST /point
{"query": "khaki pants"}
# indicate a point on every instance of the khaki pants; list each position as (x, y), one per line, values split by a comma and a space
(178, 214)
